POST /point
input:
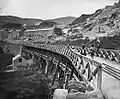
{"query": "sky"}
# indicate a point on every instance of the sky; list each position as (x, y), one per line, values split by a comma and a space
(49, 9)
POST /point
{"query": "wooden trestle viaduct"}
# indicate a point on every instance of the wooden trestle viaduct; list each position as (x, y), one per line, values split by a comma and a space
(67, 62)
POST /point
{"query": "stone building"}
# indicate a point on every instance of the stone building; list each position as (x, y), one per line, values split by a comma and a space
(3, 34)
(36, 33)
(13, 34)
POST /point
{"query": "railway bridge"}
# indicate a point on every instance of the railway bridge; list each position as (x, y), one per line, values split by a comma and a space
(67, 62)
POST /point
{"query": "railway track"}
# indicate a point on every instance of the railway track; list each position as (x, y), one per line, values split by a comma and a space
(111, 71)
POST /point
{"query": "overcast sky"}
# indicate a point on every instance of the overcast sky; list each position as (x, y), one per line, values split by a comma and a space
(46, 9)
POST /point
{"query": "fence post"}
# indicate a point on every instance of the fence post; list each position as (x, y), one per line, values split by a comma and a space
(99, 79)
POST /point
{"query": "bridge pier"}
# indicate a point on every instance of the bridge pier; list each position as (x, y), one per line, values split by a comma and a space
(61, 78)
(50, 65)
(43, 63)
(65, 75)
(56, 72)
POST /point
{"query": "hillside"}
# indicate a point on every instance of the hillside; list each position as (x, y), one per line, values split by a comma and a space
(32, 21)
(64, 20)
(18, 20)
(104, 22)
(107, 42)
(81, 19)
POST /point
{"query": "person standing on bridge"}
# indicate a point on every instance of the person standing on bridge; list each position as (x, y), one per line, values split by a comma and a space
(68, 46)
(92, 50)
(83, 50)
(97, 46)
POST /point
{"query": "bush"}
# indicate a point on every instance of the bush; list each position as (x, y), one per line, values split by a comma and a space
(1, 50)
(58, 31)
(87, 39)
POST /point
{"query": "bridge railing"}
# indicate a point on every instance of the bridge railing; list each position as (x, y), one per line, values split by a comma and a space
(112, 55)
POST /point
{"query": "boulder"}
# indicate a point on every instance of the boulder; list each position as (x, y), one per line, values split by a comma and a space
(96, 94)
(76, 95)
(60, 94)
(80, 86)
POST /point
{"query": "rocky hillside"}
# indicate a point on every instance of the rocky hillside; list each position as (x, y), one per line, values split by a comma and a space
(81, 19)
(104, 22)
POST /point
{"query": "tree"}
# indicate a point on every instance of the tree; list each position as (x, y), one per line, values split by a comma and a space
(12, 26)
(58, 31)
(75, 31)
(87, 39)
(1, 50)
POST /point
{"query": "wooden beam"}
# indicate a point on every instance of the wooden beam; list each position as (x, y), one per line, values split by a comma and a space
(71, 74)
(49, 69)
(56, 72)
